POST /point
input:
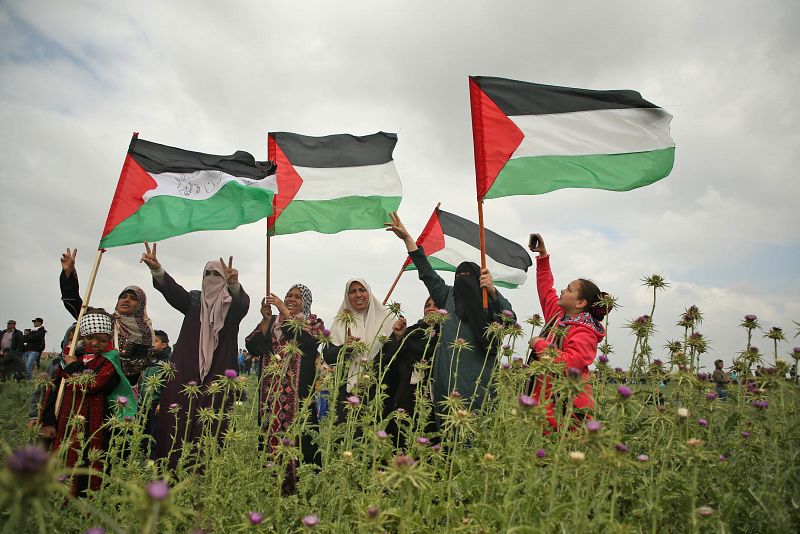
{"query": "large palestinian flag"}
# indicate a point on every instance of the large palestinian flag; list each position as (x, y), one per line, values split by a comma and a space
(449, 240)
(165, 191)
(333, 183)
(531, 138)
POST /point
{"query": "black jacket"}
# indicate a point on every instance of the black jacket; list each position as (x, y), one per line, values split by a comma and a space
(16, 341)
(34, 340)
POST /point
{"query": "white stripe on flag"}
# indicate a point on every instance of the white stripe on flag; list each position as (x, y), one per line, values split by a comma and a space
(337, 182)
(201, 185)
(605, 131)
(455, 251)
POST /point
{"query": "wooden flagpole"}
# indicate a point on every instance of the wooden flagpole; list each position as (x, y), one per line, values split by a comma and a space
(76, 334)
(268, 258)
(484, 291)
(397, 279)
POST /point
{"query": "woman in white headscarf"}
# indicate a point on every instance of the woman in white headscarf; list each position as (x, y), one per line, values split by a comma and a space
(361, 318)
(207, 345)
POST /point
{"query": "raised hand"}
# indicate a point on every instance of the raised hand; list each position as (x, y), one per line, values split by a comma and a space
(231, 274)
(68, 262)
(540, 248)
(400, 231)
(266, 312)
(149, 256)
(487, 281)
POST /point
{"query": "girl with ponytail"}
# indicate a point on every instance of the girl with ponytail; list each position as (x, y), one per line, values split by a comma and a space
(573, 327)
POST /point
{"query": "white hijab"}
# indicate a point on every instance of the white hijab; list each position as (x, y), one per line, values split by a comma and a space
(215, 301)
(369, 326)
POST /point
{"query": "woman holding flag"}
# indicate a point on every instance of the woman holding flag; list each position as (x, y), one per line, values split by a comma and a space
(468, 368)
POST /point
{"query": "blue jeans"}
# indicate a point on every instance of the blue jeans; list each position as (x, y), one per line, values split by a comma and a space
(30, 358)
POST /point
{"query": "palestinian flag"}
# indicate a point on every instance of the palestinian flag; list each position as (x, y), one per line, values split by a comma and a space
(449, 240)
(531, 138)
(165, 191)
(333, 183)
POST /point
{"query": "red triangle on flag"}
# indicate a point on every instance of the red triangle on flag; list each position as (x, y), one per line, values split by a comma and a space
(495, 137)
(289, 182)
(431, 238)
(133, 183)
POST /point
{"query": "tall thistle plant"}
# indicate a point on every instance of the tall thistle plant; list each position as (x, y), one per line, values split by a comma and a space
(775, 334)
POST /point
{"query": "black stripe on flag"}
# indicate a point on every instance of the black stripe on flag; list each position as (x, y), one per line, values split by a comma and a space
(525, 98)
(339, 150)
(499, 248)
(155, 159)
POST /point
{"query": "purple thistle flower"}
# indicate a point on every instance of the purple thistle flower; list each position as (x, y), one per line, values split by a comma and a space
(702, 422)
(26, 461)
(422, 440)
(455, 394)
(401, 411)
(173, 406)
(192, 383)
(255, 518)
(230, 373)
(712, 395)
(702, 376)
(618, 369)
(373, 511)
(381, 434)
(286, 442)
(745, 434)
(541, 453)
(657, 362)
(62, 478)
(326, 332)
(122, 400)
(602, 358)
(593, 426)
(643, 458)
(621, 447)
(95, 530)
(158, 490)
(505, 366)
(310, 521)
(506, 347)
(128, 419)
(573, 372)
(403, 460)
(352, 400)
(526, 401)
(508, 313)
(750, 318)
(436, 448)
(442, 311)
(625, 392)
(723, 458)
(760, 404)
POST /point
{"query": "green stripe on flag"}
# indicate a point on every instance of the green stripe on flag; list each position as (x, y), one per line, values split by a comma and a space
(613, 172)
(332, 216)
(166, 216)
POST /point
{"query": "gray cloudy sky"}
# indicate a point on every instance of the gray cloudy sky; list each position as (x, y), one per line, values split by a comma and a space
(77, 78)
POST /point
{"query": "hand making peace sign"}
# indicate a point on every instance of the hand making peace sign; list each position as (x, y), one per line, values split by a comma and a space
(149, 257)
(231, 274)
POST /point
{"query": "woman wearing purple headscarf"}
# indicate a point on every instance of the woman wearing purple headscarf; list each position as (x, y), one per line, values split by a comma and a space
(206, 347)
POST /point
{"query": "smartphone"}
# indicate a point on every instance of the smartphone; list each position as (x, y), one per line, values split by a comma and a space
(534, 242)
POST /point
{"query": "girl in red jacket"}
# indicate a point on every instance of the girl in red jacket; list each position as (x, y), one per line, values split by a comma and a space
(577, 314)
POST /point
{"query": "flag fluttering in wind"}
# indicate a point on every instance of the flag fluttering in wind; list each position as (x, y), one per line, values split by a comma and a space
(164, 192)
(449, 240)
(531, 138)
(333, 183)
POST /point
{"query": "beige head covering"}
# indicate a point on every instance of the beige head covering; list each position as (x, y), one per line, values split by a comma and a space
(215, 301)
(369, 326)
